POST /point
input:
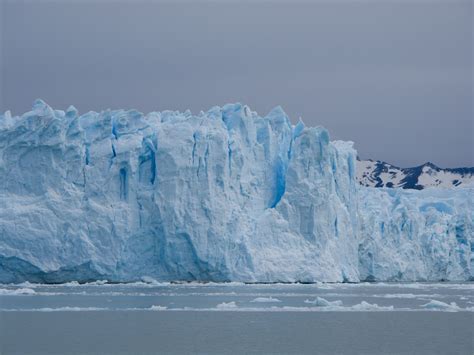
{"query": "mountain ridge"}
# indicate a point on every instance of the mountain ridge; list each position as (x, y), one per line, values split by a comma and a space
(377, 173)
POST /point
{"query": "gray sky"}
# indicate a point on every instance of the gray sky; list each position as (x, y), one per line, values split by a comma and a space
(396, 77)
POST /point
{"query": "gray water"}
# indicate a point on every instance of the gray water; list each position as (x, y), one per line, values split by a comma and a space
(141, 318)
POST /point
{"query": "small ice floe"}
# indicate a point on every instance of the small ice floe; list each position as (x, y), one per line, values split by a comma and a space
(62, 309)
(76, 283)
(265, 300)
(209, 284)
(71, 283)
(97, 283)
(337, 306)
(16, 292)
(25, 284)
(226, 305)
(428, 285)
(402, 295)
(365, 306)
(158, 308)
(325, 286)
(435, 305)
(150, 281)
(321, 302)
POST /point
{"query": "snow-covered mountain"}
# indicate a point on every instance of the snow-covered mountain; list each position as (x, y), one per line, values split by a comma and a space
(226, 195)
(377, 173)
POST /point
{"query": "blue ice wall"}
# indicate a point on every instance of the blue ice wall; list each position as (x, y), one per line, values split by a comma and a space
(219, 196)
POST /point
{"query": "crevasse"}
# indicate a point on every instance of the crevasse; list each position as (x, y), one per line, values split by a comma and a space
(226, 195)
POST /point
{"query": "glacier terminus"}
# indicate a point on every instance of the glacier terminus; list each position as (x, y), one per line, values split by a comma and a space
(225, 195)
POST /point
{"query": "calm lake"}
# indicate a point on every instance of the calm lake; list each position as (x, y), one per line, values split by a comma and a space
(149, 318)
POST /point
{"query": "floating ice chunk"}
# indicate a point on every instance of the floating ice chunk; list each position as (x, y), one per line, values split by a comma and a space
(15, 292)
(321, 302)
(59, 309)
(158, 308)
(265, 300)
(227, 305)
(365, 306)
(97, 283)
(361, 307)
(441, 306)
(405, 295)
(149, 280)
(71, 283)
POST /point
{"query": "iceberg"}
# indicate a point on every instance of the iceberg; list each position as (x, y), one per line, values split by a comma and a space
(322, 302)
(438, 305)
(265, 300)
(226, 195)
(227, 305)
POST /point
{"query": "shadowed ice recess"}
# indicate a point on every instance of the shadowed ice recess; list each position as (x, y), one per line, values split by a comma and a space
(226, 195)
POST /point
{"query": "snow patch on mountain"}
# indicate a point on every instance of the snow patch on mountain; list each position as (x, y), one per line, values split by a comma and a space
(374, 173)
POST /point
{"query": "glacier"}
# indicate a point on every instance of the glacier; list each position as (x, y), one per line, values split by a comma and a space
(225, 195)
(408, 235)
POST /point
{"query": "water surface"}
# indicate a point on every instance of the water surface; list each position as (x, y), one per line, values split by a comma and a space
(417, 318)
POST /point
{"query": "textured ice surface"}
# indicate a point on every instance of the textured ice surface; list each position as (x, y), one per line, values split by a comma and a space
(225, 195)
(410, 235)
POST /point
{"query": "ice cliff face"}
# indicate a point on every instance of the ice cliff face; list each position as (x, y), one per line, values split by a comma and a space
(225, 195)
(410, 235)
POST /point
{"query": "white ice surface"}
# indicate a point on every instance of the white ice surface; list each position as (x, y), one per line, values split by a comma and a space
(226, 195)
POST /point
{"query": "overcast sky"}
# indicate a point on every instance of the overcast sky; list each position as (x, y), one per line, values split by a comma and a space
(395, 77)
